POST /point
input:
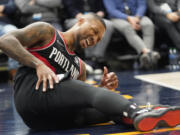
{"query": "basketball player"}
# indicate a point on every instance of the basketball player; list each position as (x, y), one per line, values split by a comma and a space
(49, 91)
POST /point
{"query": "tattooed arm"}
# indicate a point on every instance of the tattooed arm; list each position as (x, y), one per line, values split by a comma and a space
(14, 44)
(82, 77)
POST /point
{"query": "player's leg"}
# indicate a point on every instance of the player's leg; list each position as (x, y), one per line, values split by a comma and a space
(60, 107)
(77, 95)
(64, 101)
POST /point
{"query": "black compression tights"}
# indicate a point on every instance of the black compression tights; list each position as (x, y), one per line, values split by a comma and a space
(71, 103)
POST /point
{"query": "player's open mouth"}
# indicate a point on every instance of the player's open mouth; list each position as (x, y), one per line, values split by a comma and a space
(87, 42)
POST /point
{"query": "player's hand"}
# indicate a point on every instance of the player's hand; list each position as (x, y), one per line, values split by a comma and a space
(79, 15)
(109, 80)
(45, 74)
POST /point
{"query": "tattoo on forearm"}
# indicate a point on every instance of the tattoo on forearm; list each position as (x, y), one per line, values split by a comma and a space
(12, 48)
(14, 44)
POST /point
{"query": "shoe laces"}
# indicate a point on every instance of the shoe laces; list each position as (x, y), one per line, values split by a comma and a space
(146, 109)
(149, 108)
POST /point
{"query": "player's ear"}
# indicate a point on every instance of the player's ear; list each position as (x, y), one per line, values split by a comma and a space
(81, 20)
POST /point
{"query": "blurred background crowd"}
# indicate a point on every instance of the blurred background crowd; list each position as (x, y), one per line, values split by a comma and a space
(141, 34)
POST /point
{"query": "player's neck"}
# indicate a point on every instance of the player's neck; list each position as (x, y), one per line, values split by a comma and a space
(69, 38)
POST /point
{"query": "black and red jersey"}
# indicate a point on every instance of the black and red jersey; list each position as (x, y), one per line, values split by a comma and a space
(57, 56)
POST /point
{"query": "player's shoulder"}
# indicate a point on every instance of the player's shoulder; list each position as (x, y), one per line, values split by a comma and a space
(42, 26)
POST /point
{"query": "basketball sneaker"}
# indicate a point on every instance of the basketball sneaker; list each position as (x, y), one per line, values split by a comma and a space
(129, 121)
(157, 116)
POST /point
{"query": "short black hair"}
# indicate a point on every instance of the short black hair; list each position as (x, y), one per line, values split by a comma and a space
(98, 18)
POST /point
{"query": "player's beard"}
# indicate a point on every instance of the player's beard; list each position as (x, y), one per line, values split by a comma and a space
(77, 47)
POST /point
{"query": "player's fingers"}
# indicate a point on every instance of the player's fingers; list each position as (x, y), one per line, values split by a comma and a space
(38, 84)
(44, 84)
(105, 71)
(116, 83)
(55, 78)
(112, 79)
(109, 86)
(112, 85)
(51, 82)
(112, 75)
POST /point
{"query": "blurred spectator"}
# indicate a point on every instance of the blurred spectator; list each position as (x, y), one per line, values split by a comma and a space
(7, 10)
(77, 8)
(166, 14)
(128, 17)
(39, 10)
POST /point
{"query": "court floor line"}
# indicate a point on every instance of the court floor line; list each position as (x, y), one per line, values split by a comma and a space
(154, 131)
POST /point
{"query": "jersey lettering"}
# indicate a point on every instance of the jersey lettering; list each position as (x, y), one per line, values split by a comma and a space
(59, 58)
